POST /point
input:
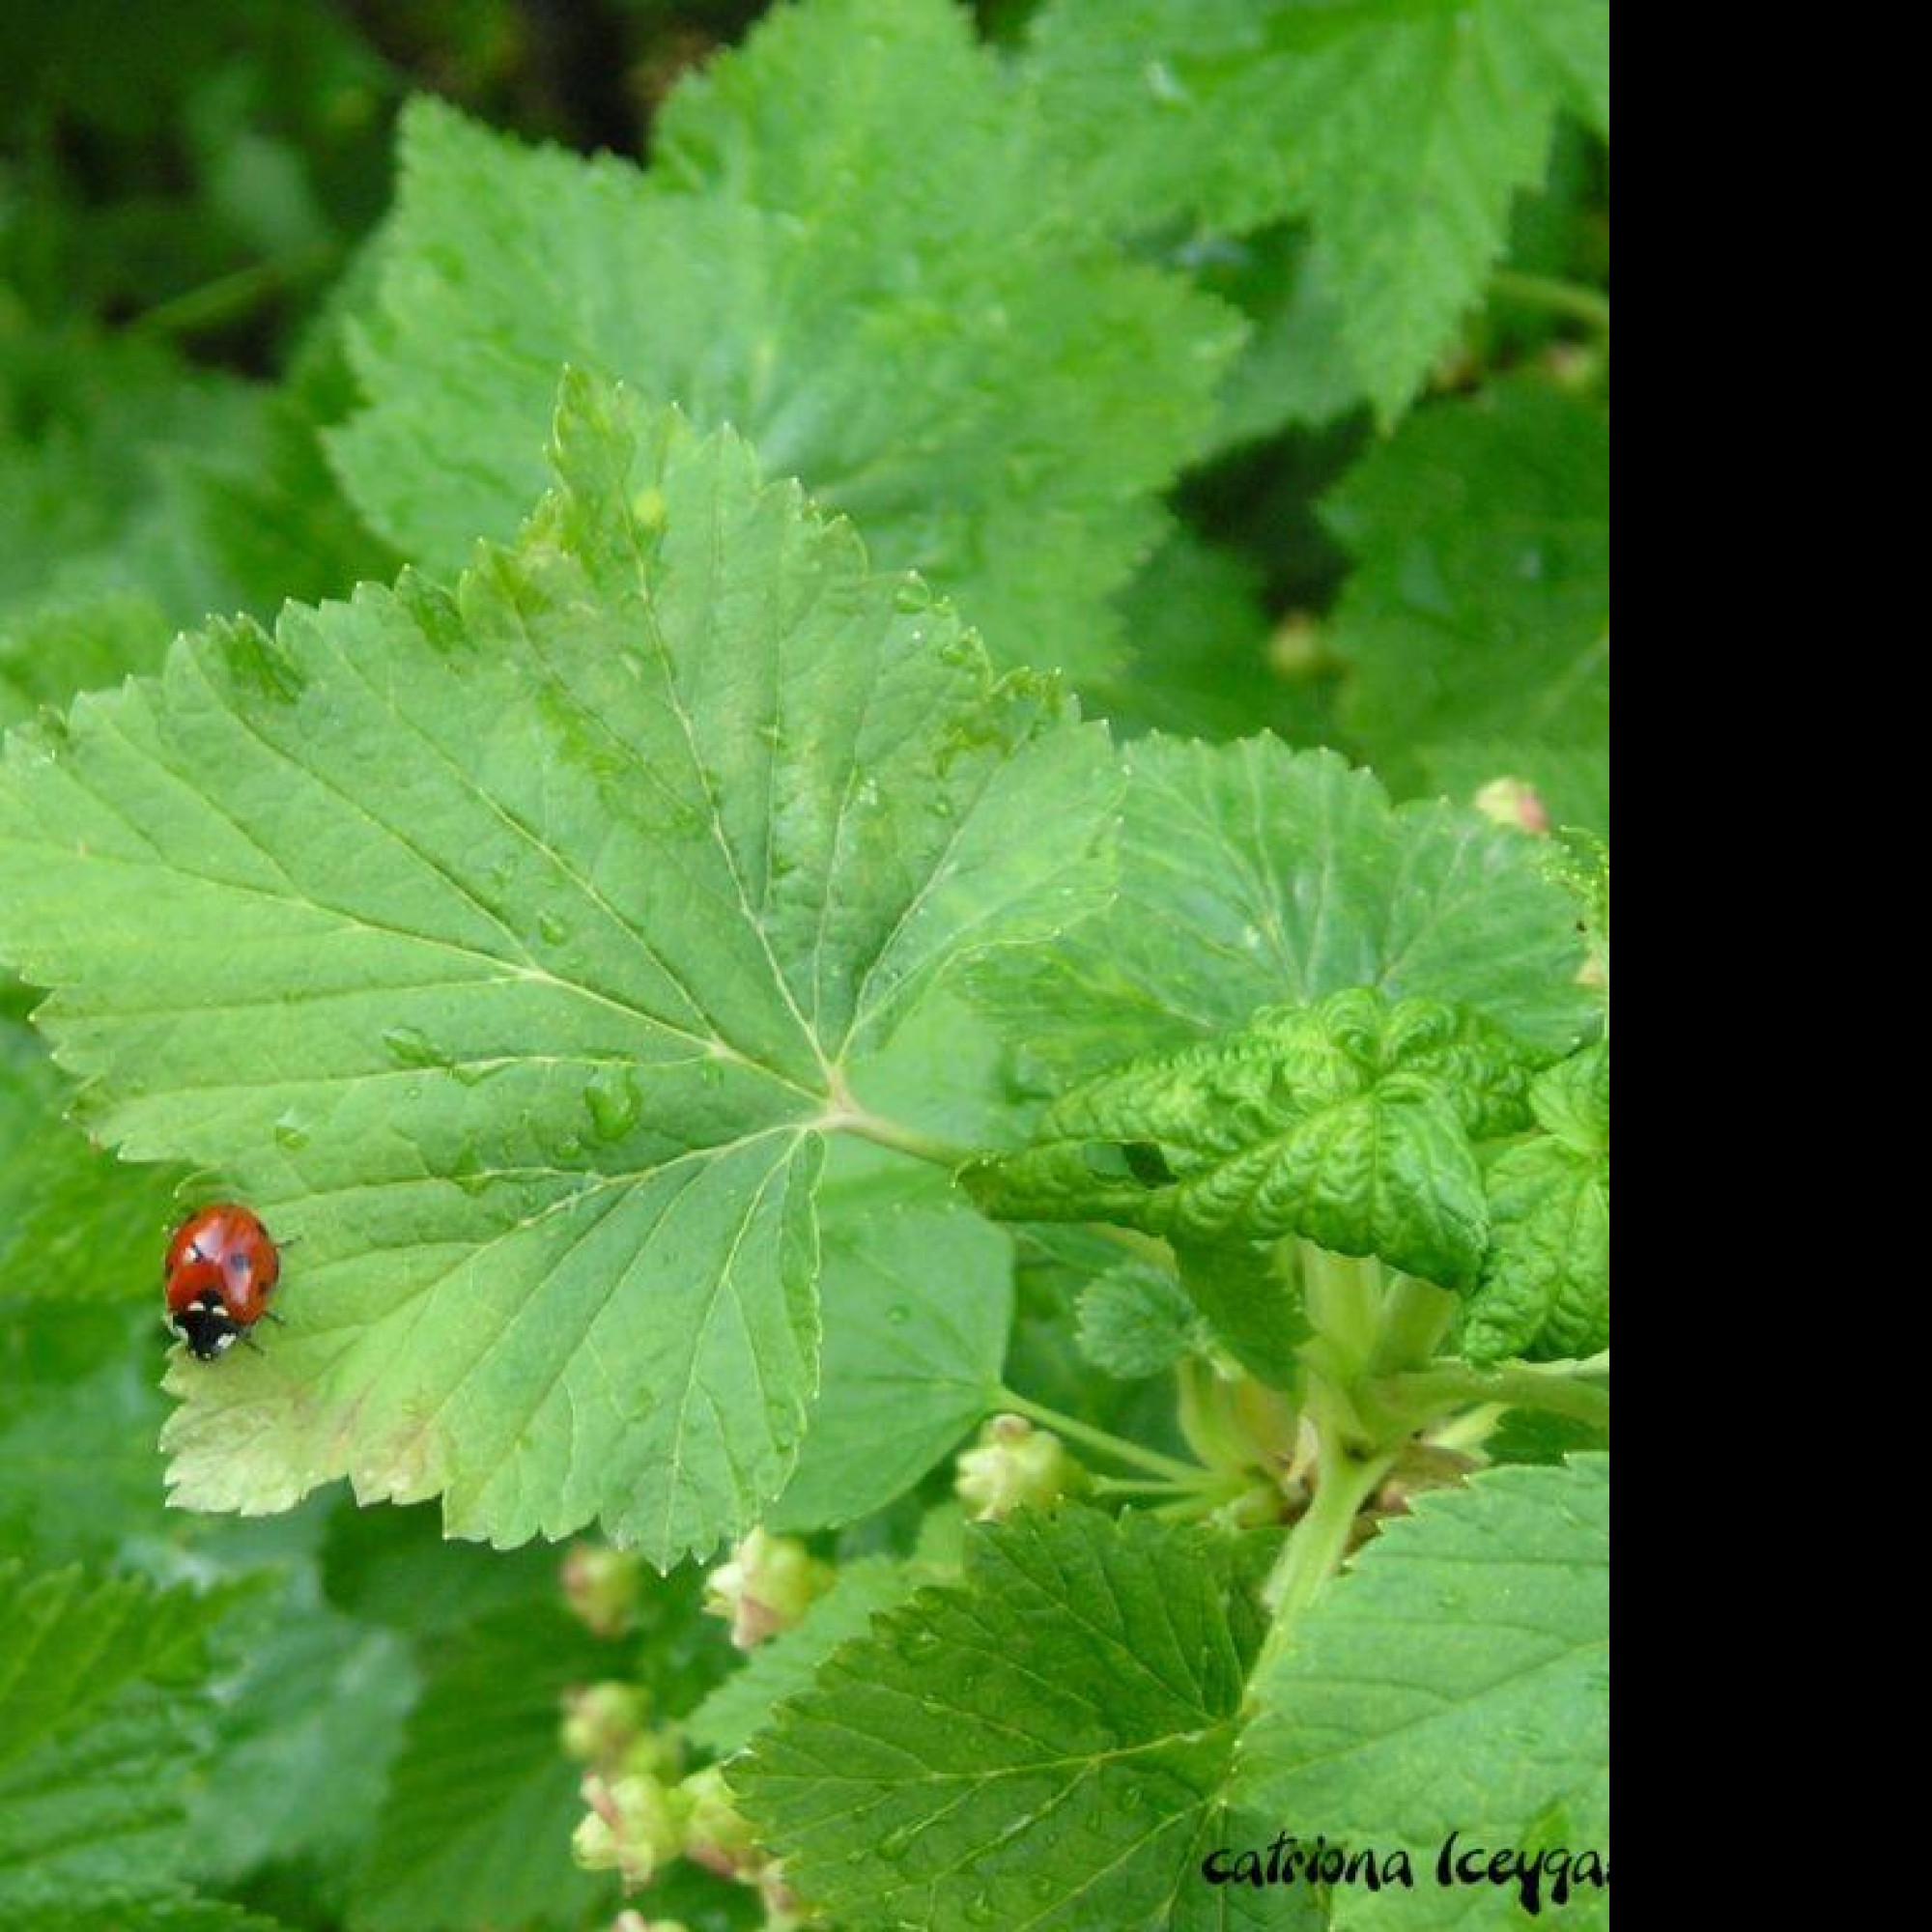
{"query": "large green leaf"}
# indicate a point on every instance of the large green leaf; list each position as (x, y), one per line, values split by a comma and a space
(1035, 1747)
(75, 1223)
(1350, 1122)
(1479, 604)
(918, 1297)
(783, 1666)
(80, 1413)
(509, 946)
(1402, 128)
(476, 1827)
(1457, 1679)
(1251, 875)
(849, 247)
(98, 1738)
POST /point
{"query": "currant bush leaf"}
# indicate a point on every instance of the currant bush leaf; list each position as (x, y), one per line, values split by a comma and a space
(740, 1707)
(1545, 1286)
(849, 247)
(476, 1827)
(1196, 653)
(543, 918)
(310, 1725)
(1252, 875)
(99, 1732)
(916, 1297)
(1401, 131)
(1250, 1295)
(79, 1414)
(1456, 1678)
(1035, 1746)
(74, 1221)
(1352, 1123)
(1479, 604)
(1136, 1320)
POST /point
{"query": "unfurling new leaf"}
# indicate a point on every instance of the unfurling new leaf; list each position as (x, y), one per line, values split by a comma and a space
(1545, 1286)
(1353, 1123)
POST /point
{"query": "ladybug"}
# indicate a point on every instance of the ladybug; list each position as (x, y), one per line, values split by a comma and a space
(222, 1266)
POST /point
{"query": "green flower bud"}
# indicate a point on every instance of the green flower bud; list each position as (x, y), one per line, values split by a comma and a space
(655, 1753)
(602, 1721)
(766, 1586)
(1514, 802)
(1296, 652)
(1013, 1466)
(716, 1834)
(602, 1585)
(634, 1825)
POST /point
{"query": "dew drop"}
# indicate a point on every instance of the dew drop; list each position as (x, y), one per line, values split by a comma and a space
(898, 1314)
(290, 1133)
(410, 1047)
(551, 929)
(614, 1103)
(1163, 84)
(469, 1171)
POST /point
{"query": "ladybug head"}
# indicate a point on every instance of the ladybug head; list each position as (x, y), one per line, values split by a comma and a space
(206, 1328)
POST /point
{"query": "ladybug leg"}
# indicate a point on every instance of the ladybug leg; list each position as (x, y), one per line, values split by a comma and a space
(269, 1315)
(247, 1341)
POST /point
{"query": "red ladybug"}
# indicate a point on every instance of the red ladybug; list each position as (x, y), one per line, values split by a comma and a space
(222, 1266)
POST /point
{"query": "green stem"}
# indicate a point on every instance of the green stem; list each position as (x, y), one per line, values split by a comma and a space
(1472, 1429)
(1105, 1445)
(853, 1118)
(228, 296)
(1210, 1482)
(1343, 1294)
(1416, 1316)
(1572, 300)
(849, 1117)
(1316, 1545)
(1421, 1395)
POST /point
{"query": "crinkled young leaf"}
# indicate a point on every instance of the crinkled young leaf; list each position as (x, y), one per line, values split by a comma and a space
(1402, 131)
(1135, 1321)
(848, 247)
(476, 1827)
(508, 946)
(1545, 1286)
(1457, 1679)
(1251, 874)
(917, 1293)
(1479, 604)
(1036, 1747)
(1350, 1122)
